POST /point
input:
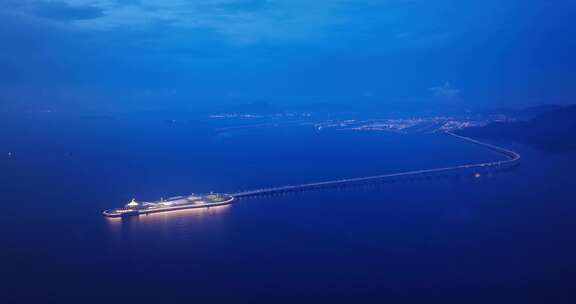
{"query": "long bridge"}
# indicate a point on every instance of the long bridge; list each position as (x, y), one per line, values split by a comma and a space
(511, 159)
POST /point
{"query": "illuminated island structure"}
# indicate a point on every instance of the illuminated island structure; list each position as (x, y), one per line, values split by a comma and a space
(173, 203)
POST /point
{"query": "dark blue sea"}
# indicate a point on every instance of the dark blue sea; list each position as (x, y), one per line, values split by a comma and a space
(501, 238)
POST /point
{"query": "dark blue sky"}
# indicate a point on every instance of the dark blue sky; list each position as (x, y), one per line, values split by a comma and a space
(149, 54)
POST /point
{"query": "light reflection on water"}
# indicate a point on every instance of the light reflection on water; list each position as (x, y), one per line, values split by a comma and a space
(170, 222)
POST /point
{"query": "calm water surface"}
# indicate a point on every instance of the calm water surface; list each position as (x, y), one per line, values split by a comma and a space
(504, 238)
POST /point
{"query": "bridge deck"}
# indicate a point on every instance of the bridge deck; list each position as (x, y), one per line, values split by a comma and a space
(512, 159)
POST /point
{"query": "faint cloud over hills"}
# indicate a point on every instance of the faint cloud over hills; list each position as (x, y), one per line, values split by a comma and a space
(445, 92)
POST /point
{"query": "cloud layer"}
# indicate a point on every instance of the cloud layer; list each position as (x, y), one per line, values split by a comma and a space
(67, 12)
(238, 21)
(122, 51)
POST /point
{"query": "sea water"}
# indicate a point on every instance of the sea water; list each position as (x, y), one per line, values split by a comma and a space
(497, 237)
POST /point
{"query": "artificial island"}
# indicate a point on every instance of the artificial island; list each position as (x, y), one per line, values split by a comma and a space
(171, 204)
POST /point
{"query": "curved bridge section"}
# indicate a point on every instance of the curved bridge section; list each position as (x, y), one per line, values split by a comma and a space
(511, 159)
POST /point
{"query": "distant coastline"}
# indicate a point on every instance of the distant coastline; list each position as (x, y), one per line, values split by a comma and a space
(553, 131)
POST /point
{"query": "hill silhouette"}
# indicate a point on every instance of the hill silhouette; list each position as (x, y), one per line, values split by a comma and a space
(554, 130)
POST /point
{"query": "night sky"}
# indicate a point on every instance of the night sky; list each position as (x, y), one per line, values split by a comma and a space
(122, 55)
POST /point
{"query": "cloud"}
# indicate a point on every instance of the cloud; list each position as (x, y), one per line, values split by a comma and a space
(65, 12)
(445, 92)
(239, 22)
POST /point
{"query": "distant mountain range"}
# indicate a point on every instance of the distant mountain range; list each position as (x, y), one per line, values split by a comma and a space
(552, 130)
